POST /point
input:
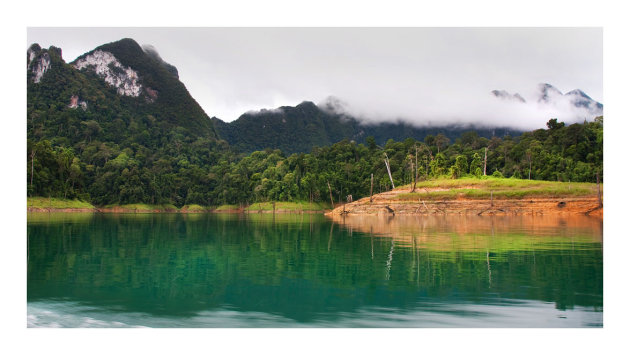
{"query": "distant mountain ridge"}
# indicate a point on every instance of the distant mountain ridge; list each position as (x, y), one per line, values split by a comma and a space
(300, 128)
(548, 94)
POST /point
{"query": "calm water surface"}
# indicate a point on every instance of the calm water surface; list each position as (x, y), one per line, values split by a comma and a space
(175, 270)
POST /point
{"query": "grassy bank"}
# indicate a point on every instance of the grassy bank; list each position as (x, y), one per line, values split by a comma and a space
(45, 203)
(500, 188)
(194, 208)
(226, 208)
(143, 207)
(300, 206)
(56, 203)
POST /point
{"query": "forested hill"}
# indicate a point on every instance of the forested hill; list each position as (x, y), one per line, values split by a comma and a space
(166, 97)
(301, 128)
(114, 119)
(115, 84)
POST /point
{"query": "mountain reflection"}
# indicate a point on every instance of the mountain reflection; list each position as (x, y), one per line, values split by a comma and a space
(312, 270)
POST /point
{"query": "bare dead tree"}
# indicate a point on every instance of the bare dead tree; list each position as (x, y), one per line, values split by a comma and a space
(32, 165)
(332, 203)
(389, 172)
(415, 180)
(485, 161)
(371, 186)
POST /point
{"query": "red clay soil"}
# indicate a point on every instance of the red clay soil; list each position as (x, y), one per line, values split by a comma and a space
(387, 203)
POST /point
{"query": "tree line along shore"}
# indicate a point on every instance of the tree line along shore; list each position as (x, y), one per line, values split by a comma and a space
(482, 196)
(217, 175)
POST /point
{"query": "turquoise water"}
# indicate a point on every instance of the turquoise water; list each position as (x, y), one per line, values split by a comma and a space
(207, 270)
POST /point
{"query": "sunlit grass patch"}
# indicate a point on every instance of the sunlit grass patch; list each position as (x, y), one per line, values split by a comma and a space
(288, 206)
(499, 188)
(227, 208)
(193, 208)
(145, 207)
(59, 203)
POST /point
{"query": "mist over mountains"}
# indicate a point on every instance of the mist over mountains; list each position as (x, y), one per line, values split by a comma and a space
(575, 103)
(307, 125)
(138, 73)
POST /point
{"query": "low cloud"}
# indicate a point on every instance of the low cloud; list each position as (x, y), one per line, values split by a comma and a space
(425, 76)
(463, 108)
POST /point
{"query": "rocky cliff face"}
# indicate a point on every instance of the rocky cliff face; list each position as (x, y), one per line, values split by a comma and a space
(38, 62)
(107, 67)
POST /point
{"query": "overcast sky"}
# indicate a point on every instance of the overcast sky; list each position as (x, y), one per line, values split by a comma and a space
(422, 75)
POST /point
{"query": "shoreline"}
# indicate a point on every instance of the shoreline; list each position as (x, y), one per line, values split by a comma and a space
(132, 211)
(50, 205)
(540, 206)
(586, 205)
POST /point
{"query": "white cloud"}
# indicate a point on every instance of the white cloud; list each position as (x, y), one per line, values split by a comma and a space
(436, 75)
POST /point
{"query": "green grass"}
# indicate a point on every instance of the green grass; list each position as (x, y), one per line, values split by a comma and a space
(194, 208)
(46, 202)
(288, 206)
(227, 207)
(473, 188)
(144, 207)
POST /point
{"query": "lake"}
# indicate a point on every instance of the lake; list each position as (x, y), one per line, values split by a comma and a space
(307, 270)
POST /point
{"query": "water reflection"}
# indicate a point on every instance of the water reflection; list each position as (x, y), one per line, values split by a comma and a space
(174, 270)
(469, 232)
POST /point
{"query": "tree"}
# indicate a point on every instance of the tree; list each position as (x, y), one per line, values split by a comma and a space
(460, 167)
(475, 165)
(441, 141)
(438, 165)
(553, 124)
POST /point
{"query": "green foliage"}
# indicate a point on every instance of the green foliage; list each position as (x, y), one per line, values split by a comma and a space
(475, 165)
(123, 150)
(460, 167)
(212, 174)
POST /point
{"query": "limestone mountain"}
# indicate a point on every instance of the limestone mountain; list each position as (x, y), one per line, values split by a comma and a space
(115, 126)
(118, 80)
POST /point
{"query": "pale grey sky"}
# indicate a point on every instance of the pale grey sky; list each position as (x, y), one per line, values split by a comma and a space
(437, 75)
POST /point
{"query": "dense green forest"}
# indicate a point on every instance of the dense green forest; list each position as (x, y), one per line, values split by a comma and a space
(161, 148)
(208, 172)
(317, 127)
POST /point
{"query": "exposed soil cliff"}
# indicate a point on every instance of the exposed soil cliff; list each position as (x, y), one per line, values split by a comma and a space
(391, 203)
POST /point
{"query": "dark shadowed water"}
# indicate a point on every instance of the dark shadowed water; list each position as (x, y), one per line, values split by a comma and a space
(177, 270)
